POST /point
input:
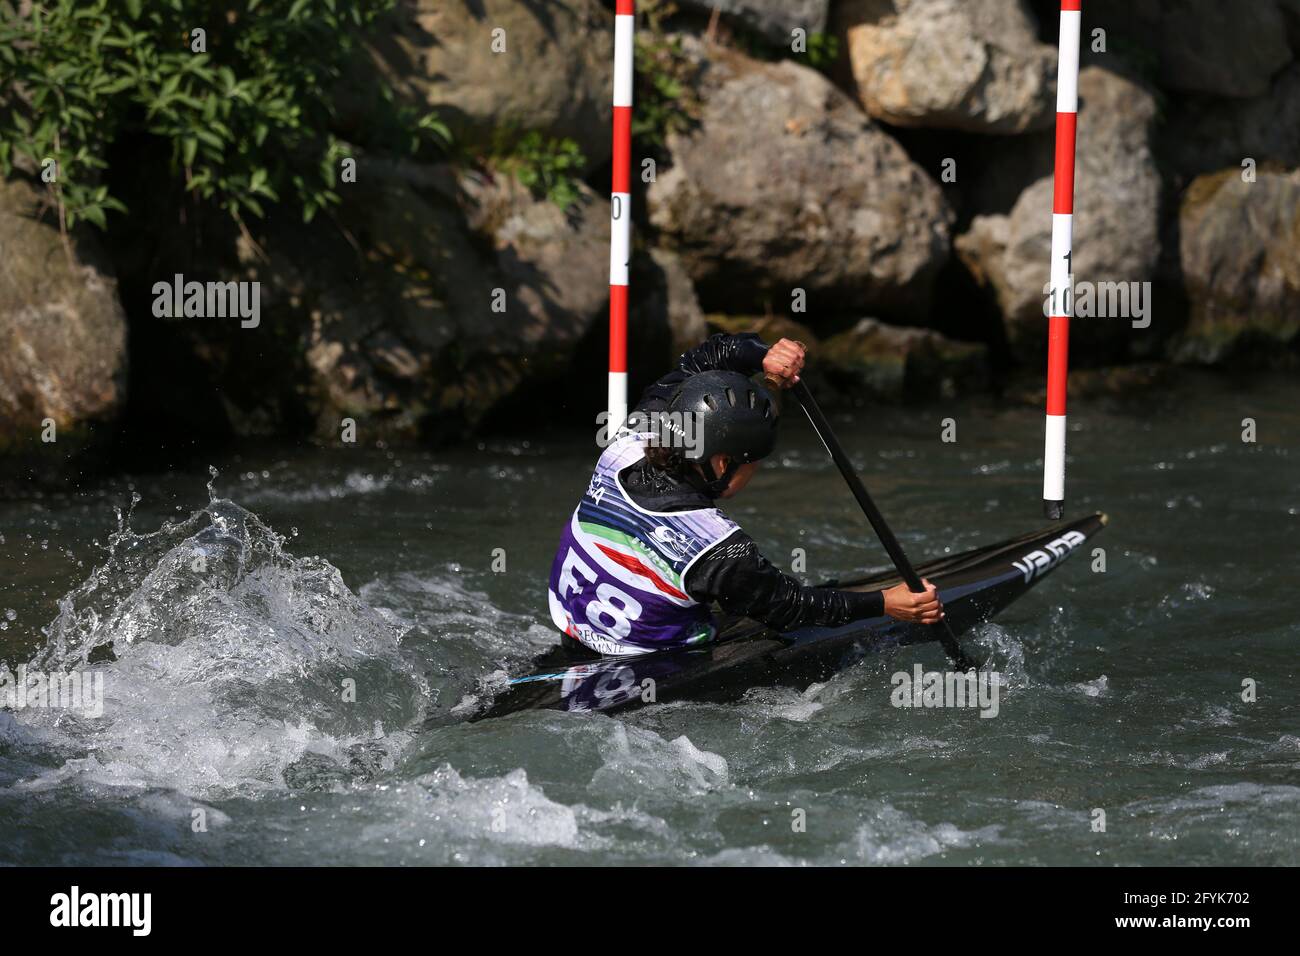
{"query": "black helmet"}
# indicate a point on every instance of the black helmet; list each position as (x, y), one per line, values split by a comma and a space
(732, 415)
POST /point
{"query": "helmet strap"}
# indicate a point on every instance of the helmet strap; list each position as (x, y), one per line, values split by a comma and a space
(715, 486)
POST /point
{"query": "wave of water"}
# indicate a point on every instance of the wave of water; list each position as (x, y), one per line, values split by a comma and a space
(228, 666)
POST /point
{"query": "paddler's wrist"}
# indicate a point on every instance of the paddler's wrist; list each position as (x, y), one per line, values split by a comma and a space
(750, 352)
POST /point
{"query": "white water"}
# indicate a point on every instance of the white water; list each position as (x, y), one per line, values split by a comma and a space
(1122, 691)
(228, 665)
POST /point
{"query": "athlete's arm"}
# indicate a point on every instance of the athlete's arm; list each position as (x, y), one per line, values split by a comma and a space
(736, 575)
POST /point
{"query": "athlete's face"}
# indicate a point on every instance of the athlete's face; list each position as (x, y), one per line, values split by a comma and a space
(739, 480)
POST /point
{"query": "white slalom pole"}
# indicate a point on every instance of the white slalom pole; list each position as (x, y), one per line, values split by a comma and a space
(620, 200)
(1061, 289)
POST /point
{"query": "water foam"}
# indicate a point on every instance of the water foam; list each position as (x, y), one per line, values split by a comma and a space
(229, 666)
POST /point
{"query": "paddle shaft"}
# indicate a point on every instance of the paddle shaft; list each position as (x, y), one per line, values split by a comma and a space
(913, 581)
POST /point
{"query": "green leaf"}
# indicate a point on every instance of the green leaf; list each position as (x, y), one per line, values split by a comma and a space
(95, 216)
(118, 85)
(208, 137)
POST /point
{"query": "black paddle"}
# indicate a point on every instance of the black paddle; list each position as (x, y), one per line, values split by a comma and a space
(823, 429)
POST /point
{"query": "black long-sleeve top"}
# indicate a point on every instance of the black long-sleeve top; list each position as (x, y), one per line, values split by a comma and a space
(734, 572)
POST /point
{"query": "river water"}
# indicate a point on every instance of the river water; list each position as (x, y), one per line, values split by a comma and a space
(284, 653)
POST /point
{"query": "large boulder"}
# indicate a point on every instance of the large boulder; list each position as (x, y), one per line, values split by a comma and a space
(949, 64)
(555, 73)
(784, 184)
(430, 300)
(62, 335)
(1207, 133)
(664, 305)
(775, 19)
(895, 363)
(1240, 255)
(1116, 202)
(1201, 46)
(471, 289)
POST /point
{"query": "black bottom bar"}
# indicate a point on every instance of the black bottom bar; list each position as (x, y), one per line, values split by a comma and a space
(1054, 510)
(326, 908)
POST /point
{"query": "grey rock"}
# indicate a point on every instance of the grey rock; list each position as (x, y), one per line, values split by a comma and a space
(555, 74)
(1116, 204)
(62, 334)
(1205, 134)
(1201, 46)
(785, 184)
(682, 315)
(895, 363)
(949, 64)
(1240, 255)
(473, 289)
(775, 19)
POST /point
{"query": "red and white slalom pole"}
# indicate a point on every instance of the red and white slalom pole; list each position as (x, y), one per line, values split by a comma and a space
(1061, 282)
(620, 200)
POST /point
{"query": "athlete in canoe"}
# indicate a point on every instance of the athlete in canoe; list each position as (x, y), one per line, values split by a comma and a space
(647, 551)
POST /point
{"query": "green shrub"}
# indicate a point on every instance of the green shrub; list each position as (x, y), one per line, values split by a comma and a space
(550, 168)
(823, 51)
(667, 100)
(245, 110)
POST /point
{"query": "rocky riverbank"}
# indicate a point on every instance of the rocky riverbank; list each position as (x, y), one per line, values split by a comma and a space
(875, 174)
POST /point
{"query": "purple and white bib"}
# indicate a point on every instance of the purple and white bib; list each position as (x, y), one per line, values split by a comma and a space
(617, 584)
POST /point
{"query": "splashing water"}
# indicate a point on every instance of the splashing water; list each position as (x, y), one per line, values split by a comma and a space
(229, 665)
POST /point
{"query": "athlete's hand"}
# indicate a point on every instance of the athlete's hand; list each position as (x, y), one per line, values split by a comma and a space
(783, 363)
(923, 607)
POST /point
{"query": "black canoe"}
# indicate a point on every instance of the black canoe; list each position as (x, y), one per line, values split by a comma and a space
(974, 585)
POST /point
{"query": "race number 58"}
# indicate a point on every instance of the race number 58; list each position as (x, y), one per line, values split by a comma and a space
(613, 611)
